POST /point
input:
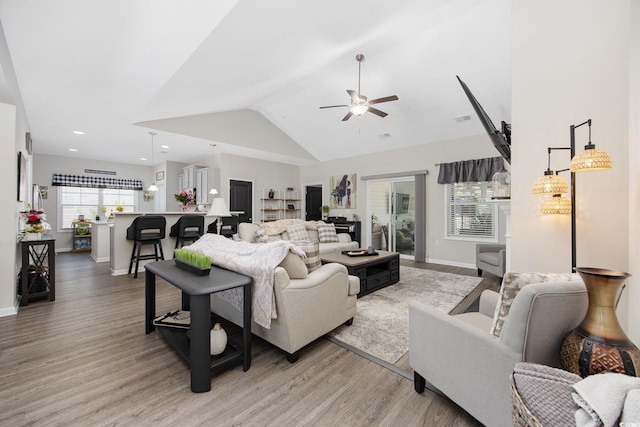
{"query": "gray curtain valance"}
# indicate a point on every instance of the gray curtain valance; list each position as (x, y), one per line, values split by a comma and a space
(65, 180)
(475, 170)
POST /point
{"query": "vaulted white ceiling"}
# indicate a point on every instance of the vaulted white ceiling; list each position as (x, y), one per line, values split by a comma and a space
(249, 75)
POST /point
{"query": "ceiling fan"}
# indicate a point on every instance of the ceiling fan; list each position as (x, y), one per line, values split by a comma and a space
(359, 103)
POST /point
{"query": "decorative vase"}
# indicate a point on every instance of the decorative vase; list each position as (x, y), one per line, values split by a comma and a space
(218, 339)
(599, 344)
(271, 194)
(32, 236)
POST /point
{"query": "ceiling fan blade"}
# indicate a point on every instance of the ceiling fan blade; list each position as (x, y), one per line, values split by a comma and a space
(334, 106)
(353, 94)
(377, 112)
(385, 99)
(348, 116)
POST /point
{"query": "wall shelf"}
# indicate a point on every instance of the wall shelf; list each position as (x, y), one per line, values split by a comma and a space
(285, 204)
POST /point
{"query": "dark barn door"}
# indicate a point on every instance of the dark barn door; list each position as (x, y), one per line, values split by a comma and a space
(241, 199)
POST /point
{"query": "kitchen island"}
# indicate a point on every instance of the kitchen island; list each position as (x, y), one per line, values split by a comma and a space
(120, 253)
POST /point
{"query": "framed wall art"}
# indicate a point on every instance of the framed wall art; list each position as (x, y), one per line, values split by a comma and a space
(343, 191)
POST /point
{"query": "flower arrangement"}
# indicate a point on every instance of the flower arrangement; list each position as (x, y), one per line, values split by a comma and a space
(187, 197)
(34, 220)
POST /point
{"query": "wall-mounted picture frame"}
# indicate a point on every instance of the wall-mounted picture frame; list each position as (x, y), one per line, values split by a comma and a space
(159, 176)
(28, 144)
(22, 179)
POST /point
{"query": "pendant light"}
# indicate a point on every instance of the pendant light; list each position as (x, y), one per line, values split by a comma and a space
(213, 191)
(153, 186)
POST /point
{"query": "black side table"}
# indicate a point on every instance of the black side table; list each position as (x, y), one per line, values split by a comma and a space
(196, 291)
(38, 273)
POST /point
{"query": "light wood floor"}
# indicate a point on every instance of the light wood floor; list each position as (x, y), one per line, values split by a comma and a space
(84, 360)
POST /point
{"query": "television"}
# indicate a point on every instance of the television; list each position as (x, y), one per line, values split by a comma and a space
(501, 139)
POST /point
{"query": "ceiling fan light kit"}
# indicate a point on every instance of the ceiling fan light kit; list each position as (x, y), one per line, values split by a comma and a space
(360, 104)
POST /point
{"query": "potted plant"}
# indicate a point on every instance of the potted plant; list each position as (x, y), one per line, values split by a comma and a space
(194, 262)
(325, 211)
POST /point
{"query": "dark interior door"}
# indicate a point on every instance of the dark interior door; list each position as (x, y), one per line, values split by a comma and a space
(313, 203)
(241, 199)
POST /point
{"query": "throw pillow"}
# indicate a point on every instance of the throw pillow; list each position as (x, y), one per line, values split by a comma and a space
(260, 236)
(295, 266)
(327, 233)
(511, 285)
(297, 232)
(312, 250)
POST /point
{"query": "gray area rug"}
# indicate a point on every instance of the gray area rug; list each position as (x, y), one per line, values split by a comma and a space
(381, 324)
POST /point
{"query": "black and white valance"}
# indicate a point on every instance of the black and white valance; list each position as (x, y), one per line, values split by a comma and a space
(476, 170)
(65, 180)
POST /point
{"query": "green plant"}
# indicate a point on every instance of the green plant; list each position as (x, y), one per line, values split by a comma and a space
(192, 258)
(325, 209)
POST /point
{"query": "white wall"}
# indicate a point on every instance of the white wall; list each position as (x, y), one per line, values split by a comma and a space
(47, 165)
(8, 217)
(263, 173)
(633, 293)
(570, 64)
(419, 157)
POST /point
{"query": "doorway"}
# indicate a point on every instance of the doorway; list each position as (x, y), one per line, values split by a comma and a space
(241, 199)
(313, 202)
(393, 213)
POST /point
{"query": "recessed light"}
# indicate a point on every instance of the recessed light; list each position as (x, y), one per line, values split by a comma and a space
(164, 146)
(143, 158)
(78, 132)
(73, 149)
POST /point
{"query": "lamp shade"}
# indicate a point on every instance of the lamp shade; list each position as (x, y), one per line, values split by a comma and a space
(550, 184)
(359, 109)
(590, 160)
(219, 208)
(556, 205)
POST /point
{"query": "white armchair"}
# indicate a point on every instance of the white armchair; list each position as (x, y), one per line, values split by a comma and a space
(458, 356)
(491, 257)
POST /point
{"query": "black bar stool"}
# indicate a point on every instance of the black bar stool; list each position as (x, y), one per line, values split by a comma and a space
(146, 230)
(188, 228)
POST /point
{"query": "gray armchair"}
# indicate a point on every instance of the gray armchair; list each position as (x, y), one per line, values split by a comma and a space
(492, 258)
(458, 356)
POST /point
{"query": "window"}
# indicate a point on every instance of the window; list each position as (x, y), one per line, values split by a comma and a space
(76, 201)
(470, 213)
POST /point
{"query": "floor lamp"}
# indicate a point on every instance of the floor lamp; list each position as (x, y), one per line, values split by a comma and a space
(598, 344)
(589, 160)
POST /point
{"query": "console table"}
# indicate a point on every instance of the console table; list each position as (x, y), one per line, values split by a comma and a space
(196, 291)
(38, 273)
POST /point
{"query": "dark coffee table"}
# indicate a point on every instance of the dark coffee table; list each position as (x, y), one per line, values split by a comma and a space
(374, 271)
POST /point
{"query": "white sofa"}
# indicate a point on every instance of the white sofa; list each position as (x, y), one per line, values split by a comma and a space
(247, 231)
(307, 308)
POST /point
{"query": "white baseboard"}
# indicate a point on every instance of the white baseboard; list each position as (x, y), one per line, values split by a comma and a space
(9, 311)
(103, 259)
(451, 263)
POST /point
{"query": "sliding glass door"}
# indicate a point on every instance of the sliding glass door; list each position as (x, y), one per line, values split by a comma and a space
(392, 209)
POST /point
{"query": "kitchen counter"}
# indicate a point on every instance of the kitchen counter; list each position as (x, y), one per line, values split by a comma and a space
(121, 248)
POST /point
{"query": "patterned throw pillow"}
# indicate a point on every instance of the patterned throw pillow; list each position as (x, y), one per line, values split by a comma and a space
(327, 233)
(312, 250)
(297, 232)
(260, 236)
(511, 285)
